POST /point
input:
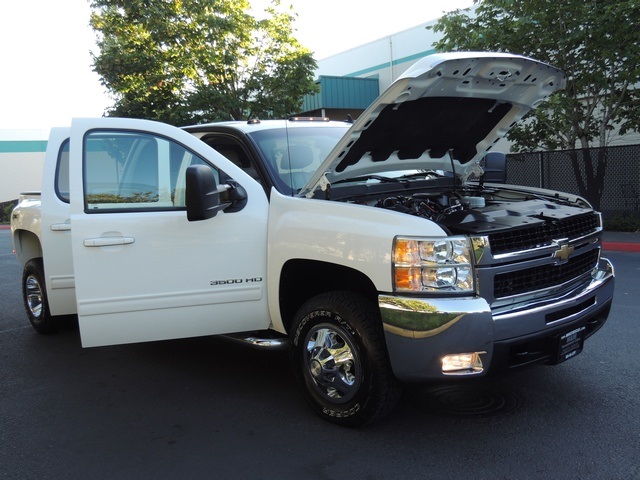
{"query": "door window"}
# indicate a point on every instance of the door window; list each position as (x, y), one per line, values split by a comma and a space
(131, 171)
(62, 172)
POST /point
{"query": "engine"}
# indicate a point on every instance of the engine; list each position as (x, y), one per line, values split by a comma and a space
(489, 211)
(432, 206)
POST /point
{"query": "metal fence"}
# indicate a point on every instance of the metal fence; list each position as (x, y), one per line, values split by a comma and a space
(608, 177)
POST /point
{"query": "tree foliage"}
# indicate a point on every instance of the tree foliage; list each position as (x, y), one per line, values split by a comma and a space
(188, 61)
(595, 43)
(5, 211)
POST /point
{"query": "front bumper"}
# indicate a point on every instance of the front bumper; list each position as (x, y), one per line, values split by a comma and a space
(420, 331)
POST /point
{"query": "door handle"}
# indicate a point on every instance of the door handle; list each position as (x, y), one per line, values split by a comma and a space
(108, 241)
(60, 227)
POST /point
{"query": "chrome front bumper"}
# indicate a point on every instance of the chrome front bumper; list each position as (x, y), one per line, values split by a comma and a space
(420, 331)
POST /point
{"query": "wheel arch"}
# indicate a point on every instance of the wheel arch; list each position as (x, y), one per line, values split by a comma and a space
(27, 245)
(302, 279)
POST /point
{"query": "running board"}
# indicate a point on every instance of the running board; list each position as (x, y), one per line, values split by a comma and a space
(262, 340)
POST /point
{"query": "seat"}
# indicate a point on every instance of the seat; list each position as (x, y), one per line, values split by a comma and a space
(230, 153)
(494, 165)
(239, 159)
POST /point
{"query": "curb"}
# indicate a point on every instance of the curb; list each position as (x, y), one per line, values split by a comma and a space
(5, 227)
(621, 246)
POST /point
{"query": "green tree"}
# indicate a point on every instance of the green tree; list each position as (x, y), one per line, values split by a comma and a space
(595, 43)
(187, 61)
(5, 211)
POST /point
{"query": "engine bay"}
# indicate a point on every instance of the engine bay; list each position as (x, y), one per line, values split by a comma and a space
(479, 210)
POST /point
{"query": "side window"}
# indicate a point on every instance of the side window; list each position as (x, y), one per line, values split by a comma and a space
(62, 173)
(126, 171)
(232, 150)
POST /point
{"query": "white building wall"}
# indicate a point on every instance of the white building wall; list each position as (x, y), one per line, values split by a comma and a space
(20, 171)
(628, 139)
(386, 58)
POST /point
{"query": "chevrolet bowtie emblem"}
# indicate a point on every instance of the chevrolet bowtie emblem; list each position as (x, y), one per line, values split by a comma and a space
(563, 253)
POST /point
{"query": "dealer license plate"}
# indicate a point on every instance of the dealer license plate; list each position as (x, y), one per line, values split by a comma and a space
(570, 344)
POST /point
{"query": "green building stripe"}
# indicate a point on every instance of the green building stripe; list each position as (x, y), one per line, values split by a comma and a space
(23, 146)
(415, 56)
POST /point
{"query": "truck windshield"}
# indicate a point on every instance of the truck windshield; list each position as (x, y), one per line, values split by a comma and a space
(293, 154)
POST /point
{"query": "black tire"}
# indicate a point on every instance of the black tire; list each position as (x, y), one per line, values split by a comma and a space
(339, 357)
(34, 296)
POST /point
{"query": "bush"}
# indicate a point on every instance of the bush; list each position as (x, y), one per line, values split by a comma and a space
(622, 223)
(5, 211)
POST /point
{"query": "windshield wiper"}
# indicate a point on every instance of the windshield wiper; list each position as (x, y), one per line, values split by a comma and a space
(426, 174)
(363, 178)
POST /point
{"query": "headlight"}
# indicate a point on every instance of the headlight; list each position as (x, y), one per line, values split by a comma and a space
(423, 265)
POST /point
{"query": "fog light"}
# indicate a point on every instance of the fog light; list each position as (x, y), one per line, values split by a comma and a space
(462, 363)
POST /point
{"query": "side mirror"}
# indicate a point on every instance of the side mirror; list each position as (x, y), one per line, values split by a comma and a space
(202, 196)
(237, 197)
(495, 168)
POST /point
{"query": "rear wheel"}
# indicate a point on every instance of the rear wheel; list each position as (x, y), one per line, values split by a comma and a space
(340, 359)
(34, 295)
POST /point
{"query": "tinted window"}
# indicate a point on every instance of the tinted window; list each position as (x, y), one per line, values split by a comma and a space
(62, 172)
(134, 171)
(294, 154)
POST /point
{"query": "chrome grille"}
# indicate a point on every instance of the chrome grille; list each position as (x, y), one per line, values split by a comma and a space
(542, 235)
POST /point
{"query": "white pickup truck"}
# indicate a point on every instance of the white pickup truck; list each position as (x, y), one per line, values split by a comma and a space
(378, 252)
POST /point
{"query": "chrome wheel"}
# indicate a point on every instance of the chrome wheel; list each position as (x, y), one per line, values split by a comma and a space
(33, 296)
(339, 357)
(332, 362)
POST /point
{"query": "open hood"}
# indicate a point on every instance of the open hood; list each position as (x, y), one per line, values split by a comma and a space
(444, 113)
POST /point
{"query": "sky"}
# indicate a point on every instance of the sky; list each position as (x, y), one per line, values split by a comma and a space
(46, 77)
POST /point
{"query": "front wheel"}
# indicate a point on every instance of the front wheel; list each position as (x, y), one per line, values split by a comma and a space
(34, 295)
(340, 359)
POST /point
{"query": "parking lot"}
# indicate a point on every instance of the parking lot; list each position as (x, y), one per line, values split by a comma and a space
(206, 408)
